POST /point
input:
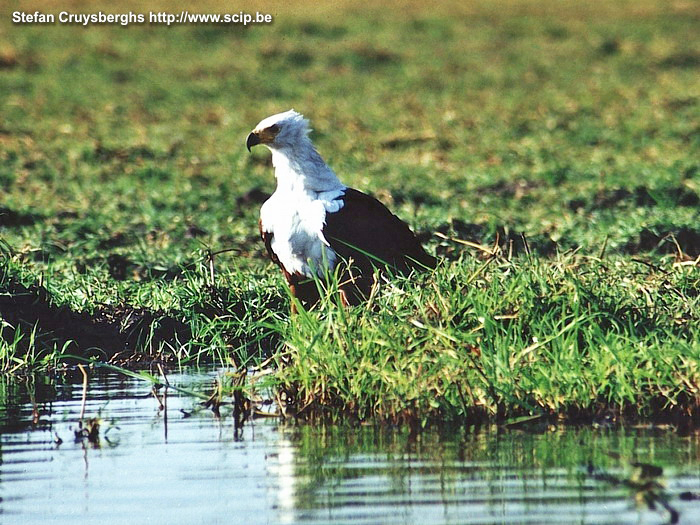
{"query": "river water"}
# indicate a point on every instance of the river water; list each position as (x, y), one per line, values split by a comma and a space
(181, 464)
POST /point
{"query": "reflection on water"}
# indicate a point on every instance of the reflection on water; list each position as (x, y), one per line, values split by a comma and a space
(194, 470)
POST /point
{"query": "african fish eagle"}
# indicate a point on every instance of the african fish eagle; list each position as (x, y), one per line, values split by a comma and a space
(313, 222)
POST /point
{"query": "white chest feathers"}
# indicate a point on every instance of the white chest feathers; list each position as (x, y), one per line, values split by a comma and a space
(296, 219)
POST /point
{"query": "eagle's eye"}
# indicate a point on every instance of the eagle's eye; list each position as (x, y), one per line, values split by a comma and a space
(274, 129)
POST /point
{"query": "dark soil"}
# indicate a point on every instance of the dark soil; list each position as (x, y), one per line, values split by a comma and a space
(12, 218)
(122, 332)
(640, 196)
(666, 240)
(510, 242)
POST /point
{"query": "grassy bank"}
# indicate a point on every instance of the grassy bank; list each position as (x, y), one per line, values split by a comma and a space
(129, 205)
(573, 336)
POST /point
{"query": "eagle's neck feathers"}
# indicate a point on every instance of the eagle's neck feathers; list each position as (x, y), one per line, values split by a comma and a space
(307, 190)
(301, 168)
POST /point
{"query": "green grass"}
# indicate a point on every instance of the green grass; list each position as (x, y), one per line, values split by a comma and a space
(571, 336)
(123, 166)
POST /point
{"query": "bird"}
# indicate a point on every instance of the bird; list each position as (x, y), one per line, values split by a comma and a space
(313, 225)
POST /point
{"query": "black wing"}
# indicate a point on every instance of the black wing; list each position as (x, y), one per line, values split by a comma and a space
(367, 233)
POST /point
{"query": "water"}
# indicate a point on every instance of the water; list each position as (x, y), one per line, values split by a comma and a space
(192, 467)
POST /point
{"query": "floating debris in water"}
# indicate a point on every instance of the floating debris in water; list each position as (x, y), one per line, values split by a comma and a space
(644, 482)
(90, 431)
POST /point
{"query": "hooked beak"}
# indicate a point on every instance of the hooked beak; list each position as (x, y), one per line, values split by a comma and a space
(252, 140)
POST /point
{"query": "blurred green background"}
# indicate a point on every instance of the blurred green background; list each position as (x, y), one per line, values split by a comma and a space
(122, 148)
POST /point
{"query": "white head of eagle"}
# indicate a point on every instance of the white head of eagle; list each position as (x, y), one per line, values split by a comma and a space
(312, 222)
